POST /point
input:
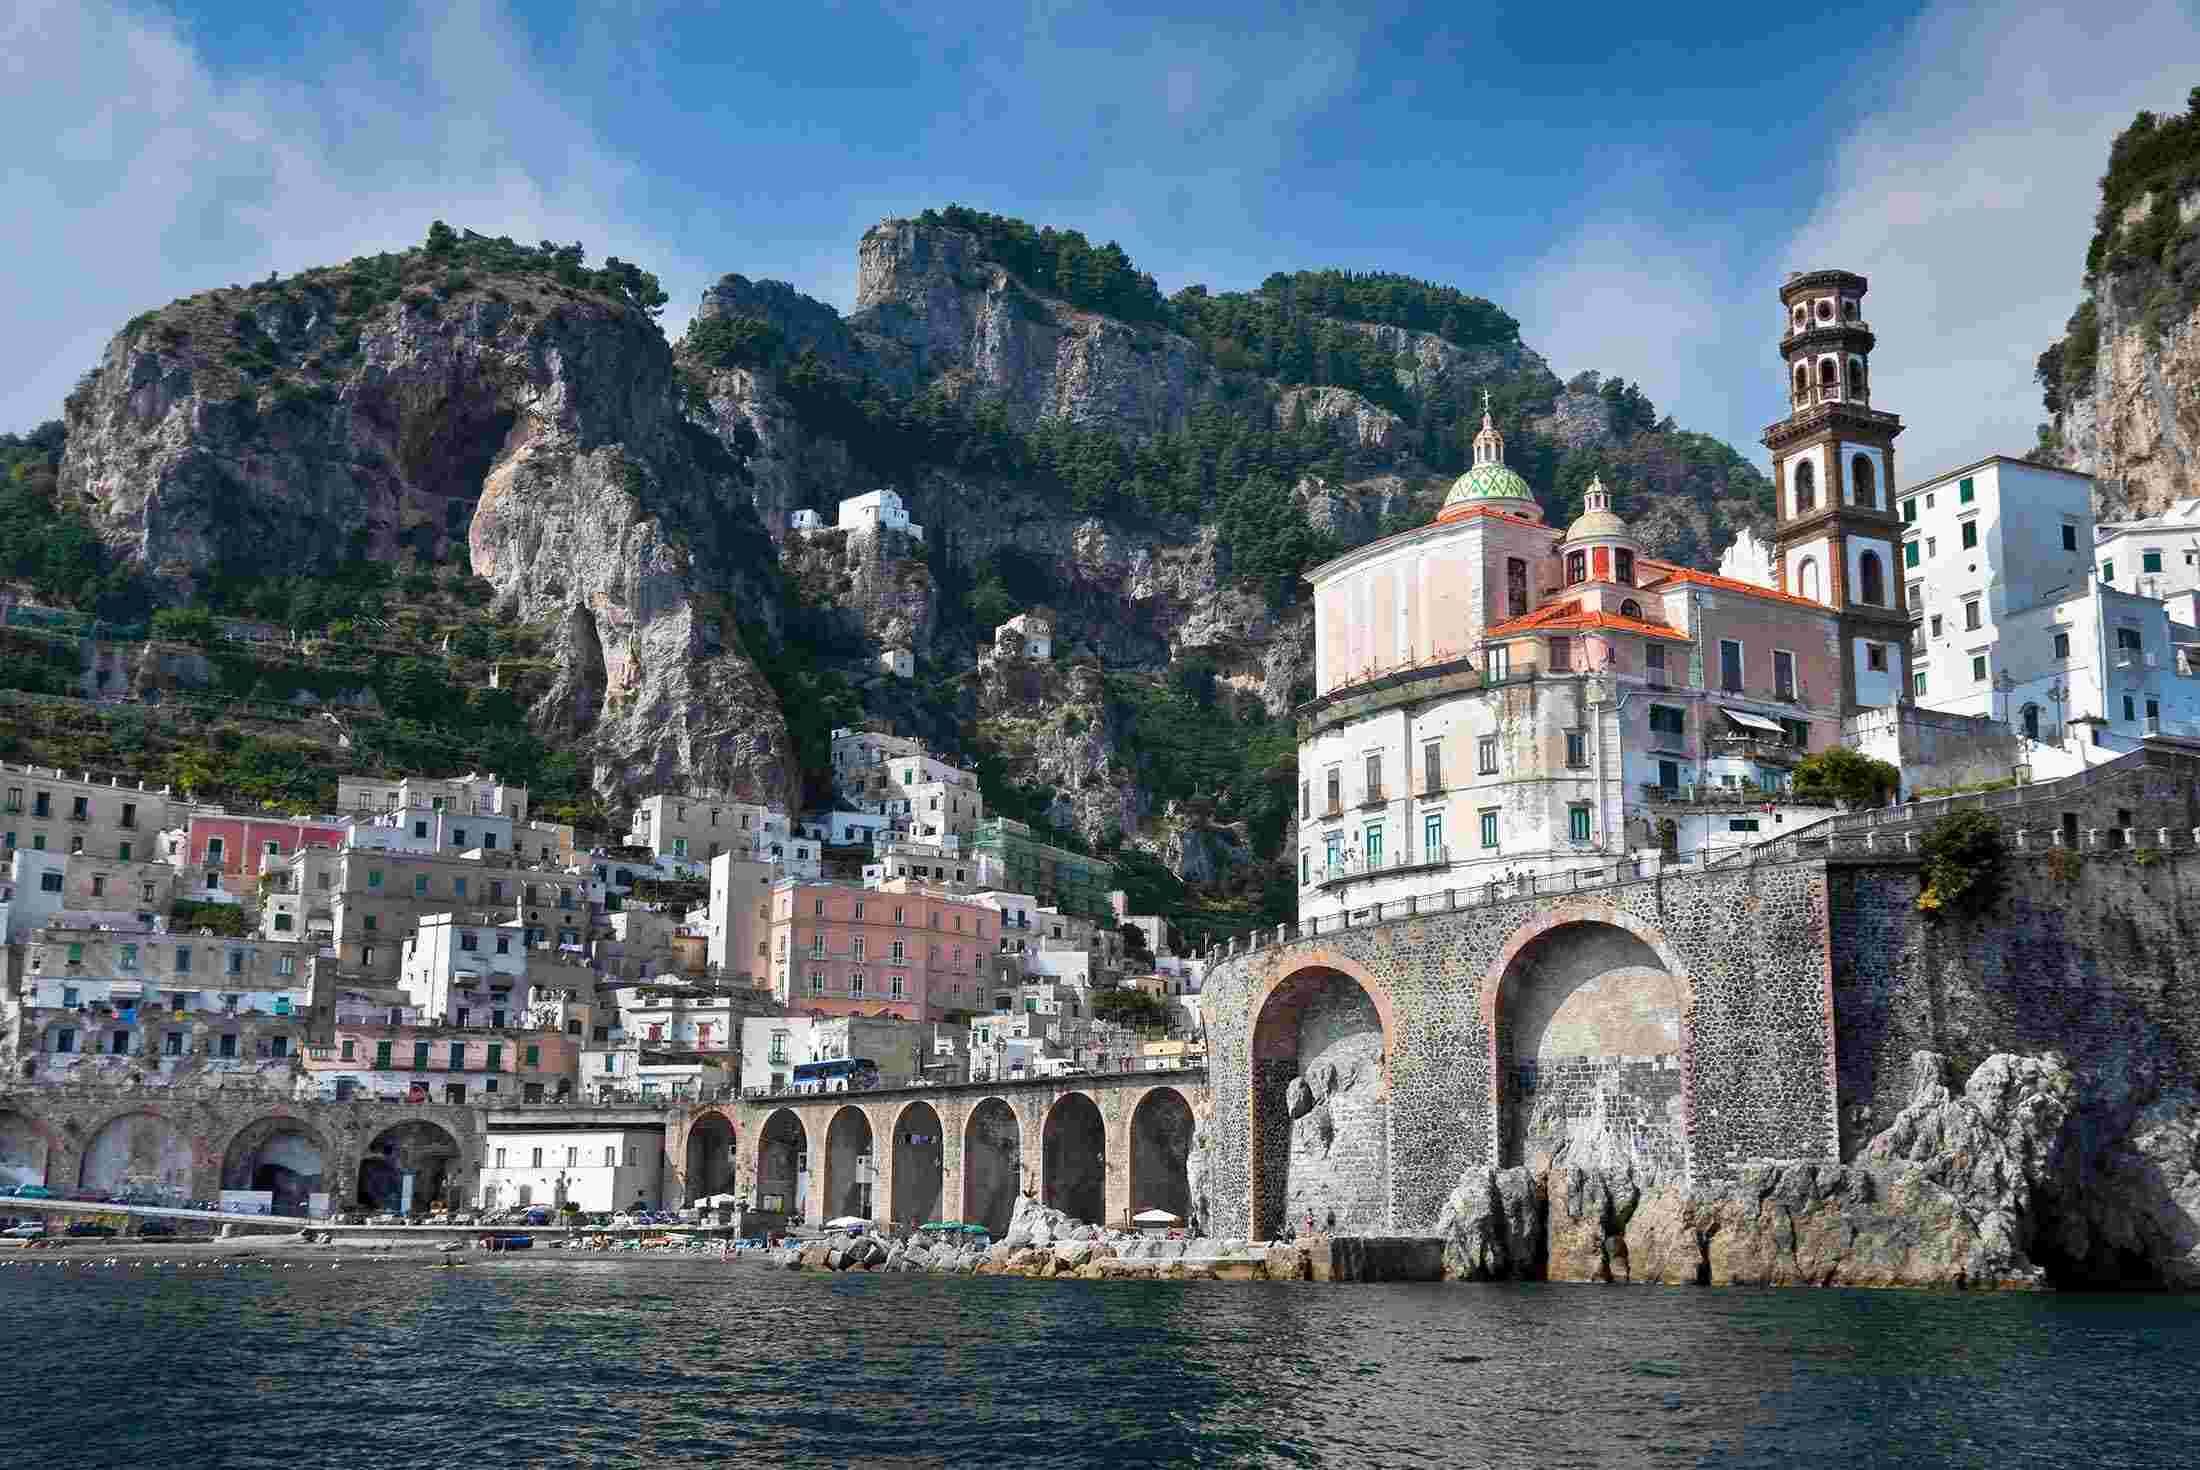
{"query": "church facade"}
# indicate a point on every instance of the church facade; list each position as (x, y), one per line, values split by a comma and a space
(1495, 696)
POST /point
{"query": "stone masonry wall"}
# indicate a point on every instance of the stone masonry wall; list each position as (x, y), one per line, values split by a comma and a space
(1747, 944)
(1340, 1139)
(2095, 957)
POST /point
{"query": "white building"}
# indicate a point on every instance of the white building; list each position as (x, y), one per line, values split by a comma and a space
(899, 662)
(429, 829)
(465, 974)
(806, 520)
(738, 926)
(30, 891)
(942, 861)
(2158, 556)
(602, 1170)
(878, 510)
(472, 795)
(1028, 635)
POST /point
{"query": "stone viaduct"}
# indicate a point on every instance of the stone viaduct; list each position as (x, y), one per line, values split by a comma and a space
(193, 1144)
(1100, 1147)
(1678, 1023)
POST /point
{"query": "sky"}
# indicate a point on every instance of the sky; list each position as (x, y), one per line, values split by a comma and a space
(1632, 182)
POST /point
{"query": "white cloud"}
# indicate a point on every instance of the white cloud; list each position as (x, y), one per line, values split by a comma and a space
(139, 174)
(1964, 188)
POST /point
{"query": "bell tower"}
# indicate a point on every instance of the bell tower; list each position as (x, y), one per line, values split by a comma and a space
(1837, 538)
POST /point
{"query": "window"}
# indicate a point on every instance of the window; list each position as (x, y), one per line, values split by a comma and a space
(458, 887)
(1971, 613)
(1516, 586)
(1970, 534)
(2070, 537)
(895, 986)
(2062, 645)
(1577, 749)
(1489, 828)
(1499, 667)
(1577, 823)
(1654, 665)
(282, 923)
(1730, 665)
(69, 997)
(1936, 625)
(496, 1056)
(2108, 571)
(347, 1051)
(859, 908)
(1577, 566)
(1432, 767)
(420, 886)
(1864, 480)
(1806, 487)
(1909, 553)
(2131, 711)
(49, 882)
(1783, 674)
(1909, 510)
(213, 847)
(458, 1056)
(1978, 668)
(1432, 836)
(1373, 776)
(817, 982)
(183, 959)
(124, 852)
(899, 952)
(1372, 844)
(381, 1053)
(855, 947)
(1562, 655)
(374, 877)
(1668, 719)
(1964, 495)
(1917, 683)
(1306, 867)
(236, 962)
(855, 982)
(1875, 657)
(1306, 800)
(1871, 580)
(1806, 578)
(2150, 561)
(1485, 755)
(1932, 547)
(1623, 566)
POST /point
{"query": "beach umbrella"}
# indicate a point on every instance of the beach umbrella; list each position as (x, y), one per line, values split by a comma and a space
(847, 1222)
(1156, 1217)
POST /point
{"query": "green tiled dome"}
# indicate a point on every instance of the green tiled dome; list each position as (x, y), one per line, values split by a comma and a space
(1488, 482)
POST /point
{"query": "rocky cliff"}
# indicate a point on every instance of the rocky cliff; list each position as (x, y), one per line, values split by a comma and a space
(506, 419)
(1995, 1185)
(2122, 386)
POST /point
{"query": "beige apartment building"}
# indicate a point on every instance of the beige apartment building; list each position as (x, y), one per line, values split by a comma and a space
(467, 795)
(46, 811)
(366, 903)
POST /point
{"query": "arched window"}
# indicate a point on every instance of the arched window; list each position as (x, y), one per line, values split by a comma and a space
(1802, 381)
(1871, 580)
(1865, 478)
(1848, 308)
(1825, 308)
(1856, 376)
(1631, 609)
(1802, 317)
(1806, 579)
(1806, 487)
(2031, 722)
(1829, 376)
(1577, 566)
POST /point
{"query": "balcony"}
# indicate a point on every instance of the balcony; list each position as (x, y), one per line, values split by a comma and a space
(1764, 749)
(1356, 869)
(1372, 797)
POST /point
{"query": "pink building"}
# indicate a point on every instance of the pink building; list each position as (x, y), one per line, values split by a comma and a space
(370, 1056)
(899, 950)
(236, 846)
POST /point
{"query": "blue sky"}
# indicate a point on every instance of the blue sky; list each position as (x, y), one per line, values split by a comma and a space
(1631, 182)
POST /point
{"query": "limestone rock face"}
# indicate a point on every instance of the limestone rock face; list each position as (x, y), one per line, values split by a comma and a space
(533, 429)
(928, 294)
(1579, 419)
(1492, 1226)
(1370, 425)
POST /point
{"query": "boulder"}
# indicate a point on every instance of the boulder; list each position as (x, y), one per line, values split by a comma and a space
(1074, 1254)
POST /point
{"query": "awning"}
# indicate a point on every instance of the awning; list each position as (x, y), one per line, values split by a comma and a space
(1752, 722)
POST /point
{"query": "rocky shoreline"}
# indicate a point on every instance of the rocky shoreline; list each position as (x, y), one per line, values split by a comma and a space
(2003, 1184)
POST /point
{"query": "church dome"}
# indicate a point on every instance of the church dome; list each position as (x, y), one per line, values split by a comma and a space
(1597, 521)
(1491, 481)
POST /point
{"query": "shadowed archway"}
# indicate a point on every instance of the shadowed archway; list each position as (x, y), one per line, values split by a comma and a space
(1074, 1159)
(918, 1153)
(1161, 1150)
(282, 1156)
(425, 1151)
(782, 1165)
(709, 1161)
(849, 1165)
(1321, 1107)
(992, 1165)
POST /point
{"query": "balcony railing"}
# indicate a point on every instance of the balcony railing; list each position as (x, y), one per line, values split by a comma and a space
(1348, 870)
(1373, 795)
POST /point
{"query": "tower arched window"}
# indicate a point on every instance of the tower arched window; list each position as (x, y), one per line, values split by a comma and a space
(1856, 377)
(1829, 376)
(1806, 579)
(1577, 566)
(1806, 487)
(1802, 381)
(1848, 308)
(1864, 477)
(1871, 579)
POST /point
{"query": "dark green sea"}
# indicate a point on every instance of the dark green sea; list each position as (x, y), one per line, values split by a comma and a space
(621, 1363)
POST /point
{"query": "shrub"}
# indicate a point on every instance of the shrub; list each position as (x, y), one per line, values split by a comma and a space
(1963, 858)
(1845, 776)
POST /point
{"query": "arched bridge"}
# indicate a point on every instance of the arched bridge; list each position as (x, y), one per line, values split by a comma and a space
(1675, 1023)
(1101, 1147)
(193, 1145)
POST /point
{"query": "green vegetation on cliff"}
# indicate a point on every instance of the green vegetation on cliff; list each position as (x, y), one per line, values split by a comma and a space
(1062, 263)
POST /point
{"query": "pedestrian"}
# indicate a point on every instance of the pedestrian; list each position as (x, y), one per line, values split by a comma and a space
(1309, 1233)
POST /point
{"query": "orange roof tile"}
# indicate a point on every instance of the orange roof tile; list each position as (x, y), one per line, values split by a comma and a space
(1567, 617)
(1728, 584)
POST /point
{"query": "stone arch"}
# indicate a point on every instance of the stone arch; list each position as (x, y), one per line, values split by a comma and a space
(28, 1147)
(428, 1152)
(707, 1158)
(782, 1164)
(1160, 1153)
(1322, 1039)
(138, 1151)
(284, 1155)
(992, 1164)
(1587, 1013)
(919, 1164)
(850, 1164)
(1073, 1158)
(1806, 579)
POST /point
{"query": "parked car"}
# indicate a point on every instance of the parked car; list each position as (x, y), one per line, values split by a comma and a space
(27, 1231)
(157, 1227)
(92, 1228)
(31, 1191)
(536, 1217)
